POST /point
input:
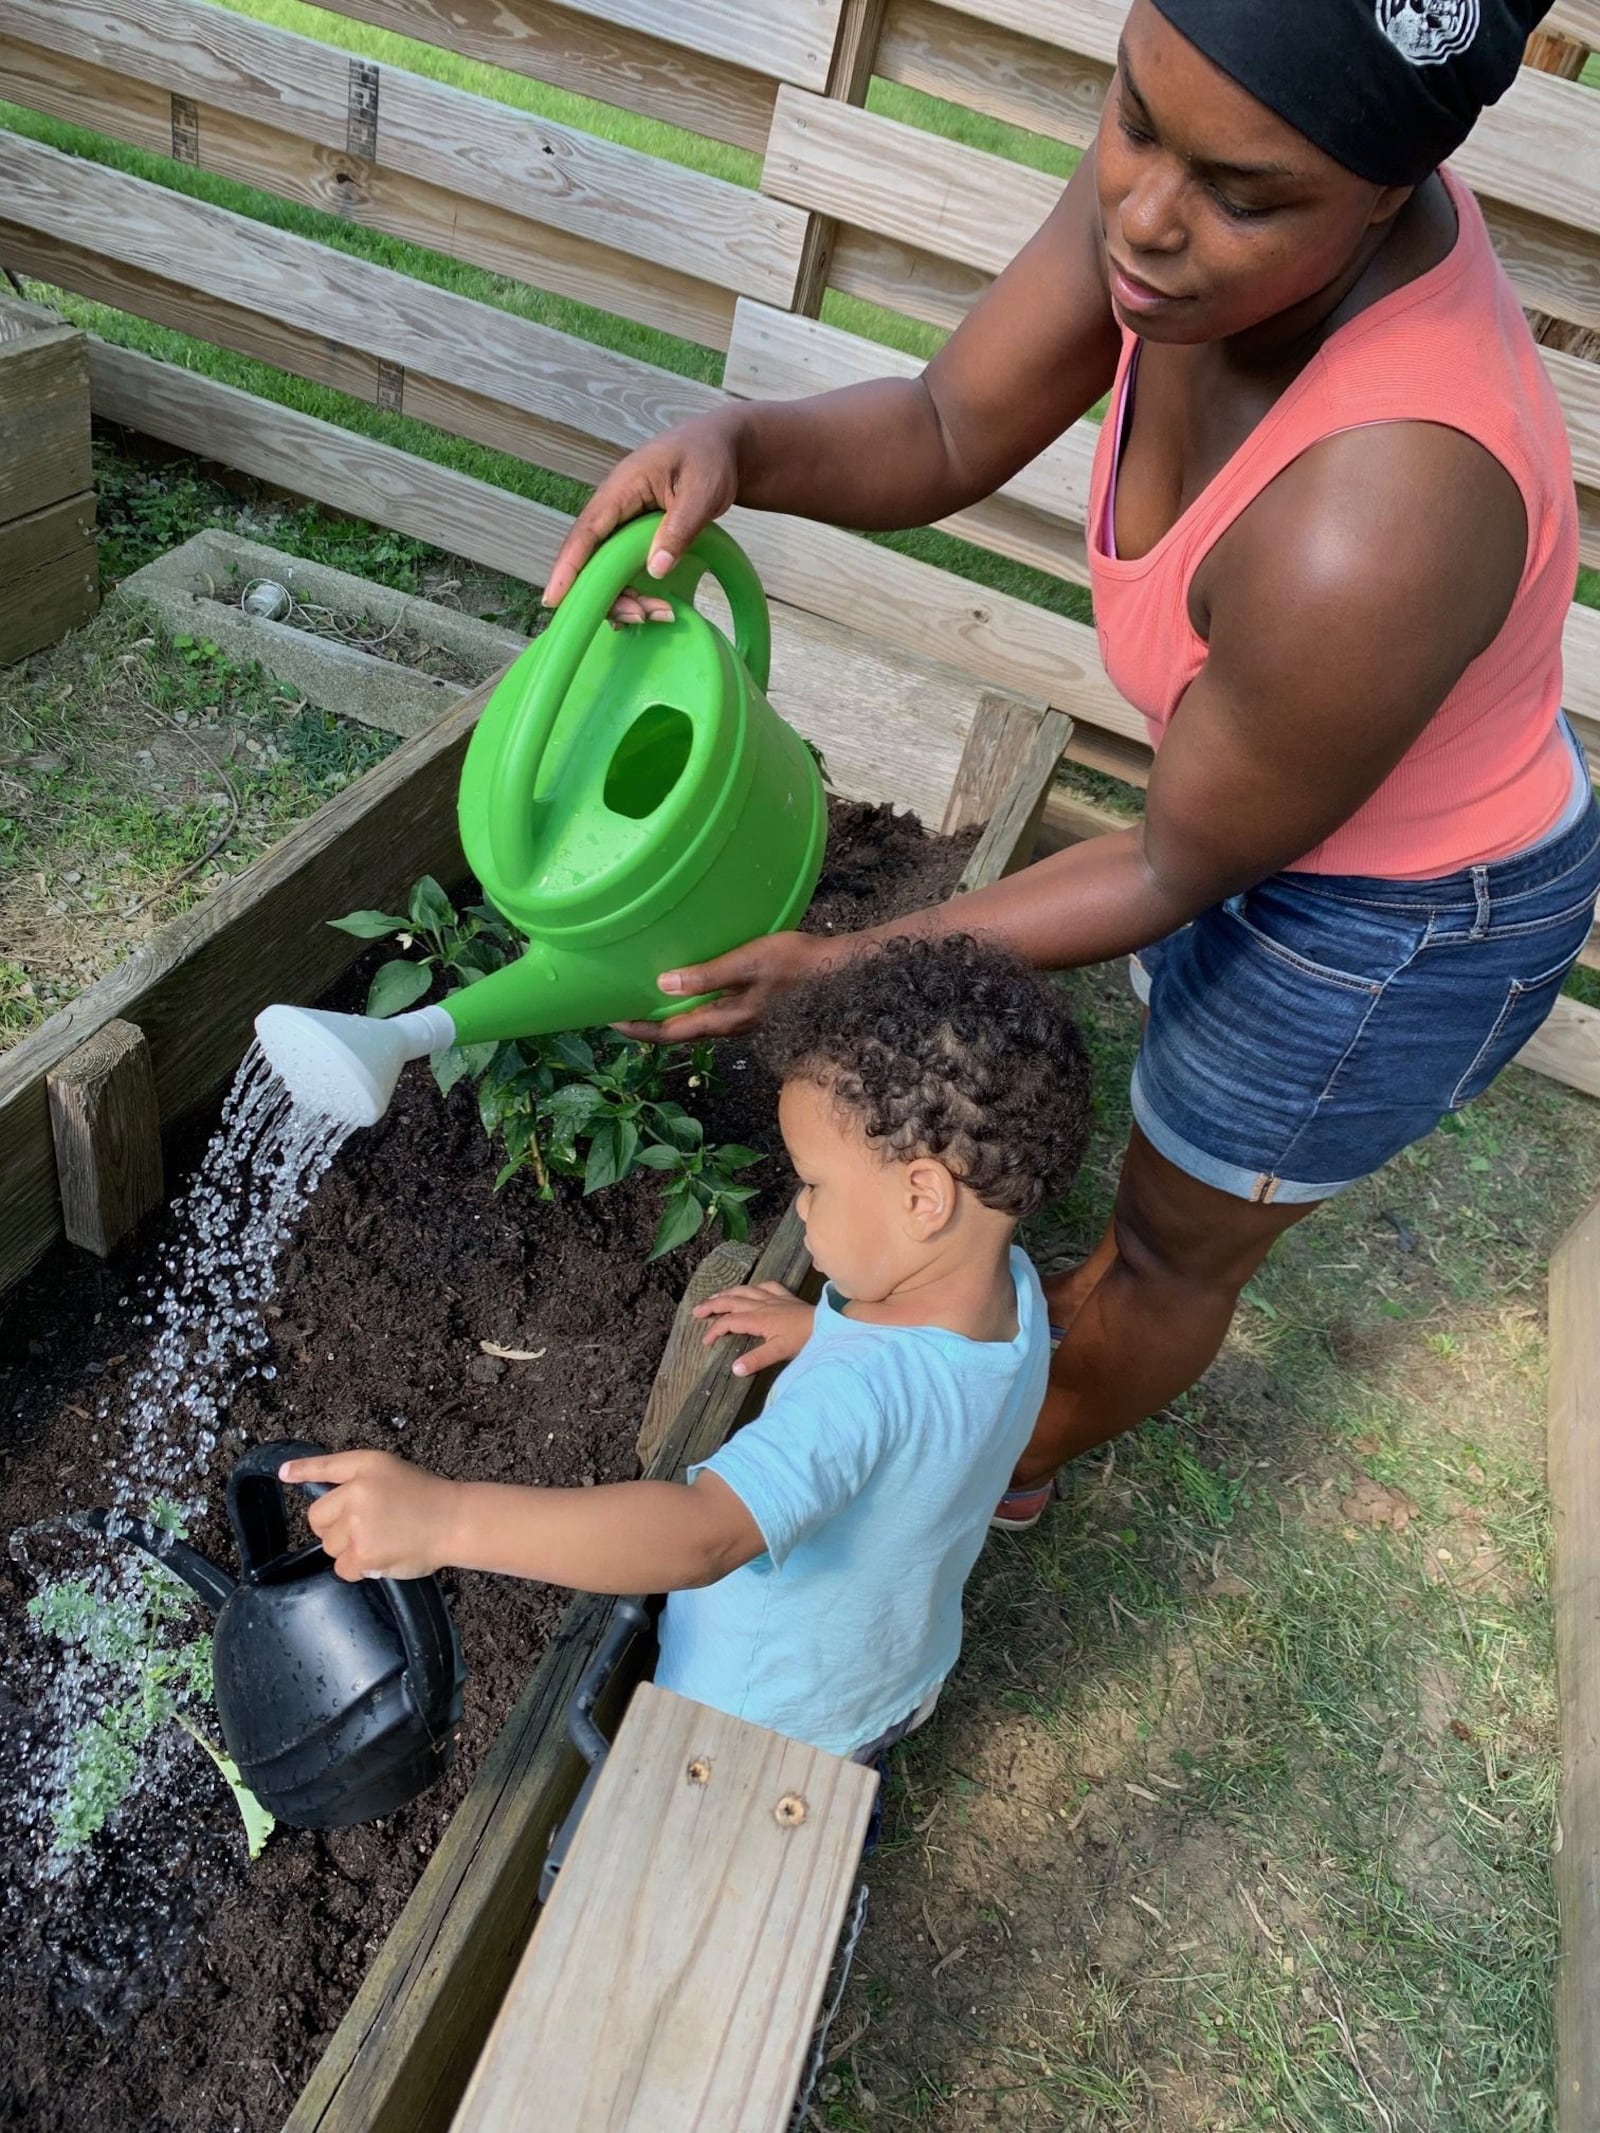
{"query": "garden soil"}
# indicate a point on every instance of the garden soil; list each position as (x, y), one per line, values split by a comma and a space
(181, 1987)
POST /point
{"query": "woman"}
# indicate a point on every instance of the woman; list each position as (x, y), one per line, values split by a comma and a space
(1332, 540)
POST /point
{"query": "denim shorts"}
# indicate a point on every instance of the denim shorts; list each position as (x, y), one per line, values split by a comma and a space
(1303, 1033)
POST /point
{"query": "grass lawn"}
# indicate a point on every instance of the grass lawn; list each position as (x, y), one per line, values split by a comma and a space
(1238, 1812)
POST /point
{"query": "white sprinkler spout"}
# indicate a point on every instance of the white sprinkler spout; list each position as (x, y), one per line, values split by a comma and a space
(346, 1066)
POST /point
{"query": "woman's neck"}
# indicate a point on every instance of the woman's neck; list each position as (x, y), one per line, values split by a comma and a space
(1418, 238)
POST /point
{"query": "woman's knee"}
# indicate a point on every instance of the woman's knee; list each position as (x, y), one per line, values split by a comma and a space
(1174, 1233)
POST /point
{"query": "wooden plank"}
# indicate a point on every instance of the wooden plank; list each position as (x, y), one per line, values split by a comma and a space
(774, 356)
(1578, 19)
(850, 71)
(322, 460)
(371, 196)
(850, 693)
(546, 41)
(1530, 150)
(1567, 1049)
(44, 410)
(937, 292)
(50, 576)
(402, 2055)
(1535, 150)
(986, 67)
(298, 283)
(997, 748)
(1553, 270)
(1577, 385)
(196, 987)
(634, 206)
(1089, 27)
(107, 1131)
(679, 1967)
(788, 40)
(309, 355)
(1008, 841)
(1550, 54)
(879, 174)
(685, 1358)
(1574, 1471)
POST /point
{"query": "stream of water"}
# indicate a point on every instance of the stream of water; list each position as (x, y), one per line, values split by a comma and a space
(159, 1438)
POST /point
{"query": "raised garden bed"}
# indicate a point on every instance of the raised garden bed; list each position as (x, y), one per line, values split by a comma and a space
(186, 1987)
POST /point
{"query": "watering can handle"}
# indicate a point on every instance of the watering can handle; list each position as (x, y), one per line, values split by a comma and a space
(261, 1527)
(613, 567)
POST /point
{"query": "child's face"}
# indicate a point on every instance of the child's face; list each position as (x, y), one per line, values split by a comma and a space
(868, 1219)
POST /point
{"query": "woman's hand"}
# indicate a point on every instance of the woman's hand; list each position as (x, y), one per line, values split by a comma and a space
(765, 1312)
(383, 1518)
(749, 979)
(691, 473)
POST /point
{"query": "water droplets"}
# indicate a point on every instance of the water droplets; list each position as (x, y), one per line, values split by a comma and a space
(203, 1312)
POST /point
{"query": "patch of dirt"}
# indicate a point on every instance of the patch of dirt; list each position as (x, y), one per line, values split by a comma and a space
(183, 1988)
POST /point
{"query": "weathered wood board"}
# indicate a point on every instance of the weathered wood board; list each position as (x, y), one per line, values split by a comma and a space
(676, 1973)
(47, 520)
(1574, 1458)
(107, 1130)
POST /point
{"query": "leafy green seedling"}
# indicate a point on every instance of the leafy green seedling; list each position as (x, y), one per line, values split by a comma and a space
(590, 1105)
(140, 1638)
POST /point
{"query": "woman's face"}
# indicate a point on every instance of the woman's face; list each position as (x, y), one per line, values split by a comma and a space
(1217, 215)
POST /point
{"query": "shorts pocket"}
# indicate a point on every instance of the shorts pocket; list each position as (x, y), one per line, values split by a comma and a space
(1275, 922)
(1528, 1001)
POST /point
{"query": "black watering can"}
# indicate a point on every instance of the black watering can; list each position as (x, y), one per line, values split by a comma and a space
(338, 1701)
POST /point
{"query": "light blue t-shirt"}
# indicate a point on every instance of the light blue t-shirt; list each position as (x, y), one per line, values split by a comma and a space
(872, 1473)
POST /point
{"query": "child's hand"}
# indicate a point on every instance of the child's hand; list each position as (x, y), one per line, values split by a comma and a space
(383, 1519)
(765, 1312)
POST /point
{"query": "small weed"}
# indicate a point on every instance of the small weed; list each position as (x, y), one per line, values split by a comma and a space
(138, 1639)
(590, 1105)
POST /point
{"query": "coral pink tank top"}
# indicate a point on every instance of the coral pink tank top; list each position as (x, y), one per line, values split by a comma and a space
(1492, 771)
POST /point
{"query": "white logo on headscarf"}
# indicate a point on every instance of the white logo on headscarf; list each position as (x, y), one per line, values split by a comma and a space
(1428, 31)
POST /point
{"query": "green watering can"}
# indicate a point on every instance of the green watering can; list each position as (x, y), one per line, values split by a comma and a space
(630, 802)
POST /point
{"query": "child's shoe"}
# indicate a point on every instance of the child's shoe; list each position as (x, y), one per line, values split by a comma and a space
(1019, 1509)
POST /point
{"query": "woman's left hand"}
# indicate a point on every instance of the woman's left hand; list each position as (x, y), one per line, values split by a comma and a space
(749, 979)
(384, 1518)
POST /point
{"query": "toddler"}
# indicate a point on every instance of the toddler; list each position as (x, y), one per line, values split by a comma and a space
(932, 1093)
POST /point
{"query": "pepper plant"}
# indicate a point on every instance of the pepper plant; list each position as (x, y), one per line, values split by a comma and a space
(591, 1104)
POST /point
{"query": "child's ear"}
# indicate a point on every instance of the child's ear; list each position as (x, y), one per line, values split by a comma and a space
(930, 1198)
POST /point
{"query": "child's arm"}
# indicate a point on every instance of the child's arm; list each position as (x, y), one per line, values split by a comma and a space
(386, 1518)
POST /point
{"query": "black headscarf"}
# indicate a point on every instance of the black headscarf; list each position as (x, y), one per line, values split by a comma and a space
(1388, 88)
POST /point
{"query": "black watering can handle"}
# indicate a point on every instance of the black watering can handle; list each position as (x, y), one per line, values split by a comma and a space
(260, 1523)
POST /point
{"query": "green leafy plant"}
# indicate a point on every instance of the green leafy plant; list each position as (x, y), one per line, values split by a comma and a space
(142, 1637)
(590, 1105)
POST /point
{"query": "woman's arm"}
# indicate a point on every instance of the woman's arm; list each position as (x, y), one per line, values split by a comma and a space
(1035, 353)
(1339, 611)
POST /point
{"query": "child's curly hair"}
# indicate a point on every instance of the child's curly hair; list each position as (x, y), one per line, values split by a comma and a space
(949, 1048)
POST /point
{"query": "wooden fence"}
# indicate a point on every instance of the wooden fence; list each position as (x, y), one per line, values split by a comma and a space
(849, 200)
